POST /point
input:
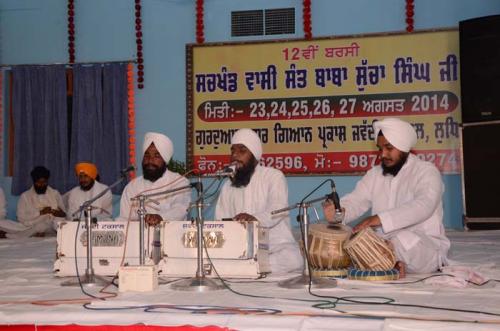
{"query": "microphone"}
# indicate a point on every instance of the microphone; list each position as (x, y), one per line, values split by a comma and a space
(126, 170)
(230, 169)
(334, 196)
(227, 171)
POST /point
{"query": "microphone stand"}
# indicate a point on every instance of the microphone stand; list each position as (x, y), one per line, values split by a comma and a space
(306, 279)
(90, 279)
(199, 283)
(141, 212)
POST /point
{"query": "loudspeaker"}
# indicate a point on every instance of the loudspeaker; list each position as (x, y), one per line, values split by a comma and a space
(481, 173)
(480, 72)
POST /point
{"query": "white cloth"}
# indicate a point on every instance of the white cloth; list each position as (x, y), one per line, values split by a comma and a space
(7, 225)
(267, 191)
(162, 143)
(250, 139)
(399, 133)
(103, 207)
(29, 219)
(410, 209)
(171, 207)
(3, 205)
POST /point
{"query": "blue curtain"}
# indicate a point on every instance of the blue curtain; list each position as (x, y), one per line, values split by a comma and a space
(40, 120)
(99, 122)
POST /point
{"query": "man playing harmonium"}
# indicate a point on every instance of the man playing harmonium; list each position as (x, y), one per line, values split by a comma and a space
(157, 150)
(88, 188)
(252, 194)
(405, 197)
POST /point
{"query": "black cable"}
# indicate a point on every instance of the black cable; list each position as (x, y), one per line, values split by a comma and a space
(225, 283)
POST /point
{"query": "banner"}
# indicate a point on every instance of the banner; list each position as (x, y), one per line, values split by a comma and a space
(313, 102)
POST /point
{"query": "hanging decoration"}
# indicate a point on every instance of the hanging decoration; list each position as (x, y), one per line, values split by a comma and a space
(71, 31)
(306, 17)
(200, 27)
(410, 12)
(138, 41)
(131, 116)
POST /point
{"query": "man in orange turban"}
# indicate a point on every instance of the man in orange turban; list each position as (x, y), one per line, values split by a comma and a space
(89, 187)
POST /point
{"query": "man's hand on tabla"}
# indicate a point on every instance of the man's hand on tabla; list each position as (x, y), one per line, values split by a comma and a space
(372, 221)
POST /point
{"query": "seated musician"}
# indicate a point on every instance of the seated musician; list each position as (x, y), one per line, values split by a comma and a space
(157, 151)
(252, 194)
(405, 197)
(39, 209)
(89, 188)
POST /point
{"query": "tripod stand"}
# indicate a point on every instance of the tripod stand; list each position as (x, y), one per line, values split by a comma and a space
(306, 279)
(199, 283)
(90, 279)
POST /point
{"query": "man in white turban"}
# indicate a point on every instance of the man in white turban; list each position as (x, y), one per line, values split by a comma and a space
(158, 150)
(252, 194)
(404, 194)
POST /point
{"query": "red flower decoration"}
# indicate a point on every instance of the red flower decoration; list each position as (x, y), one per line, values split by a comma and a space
(200, 33)
(71, 31)
(410, 12)
(138, 42)
(306, 18)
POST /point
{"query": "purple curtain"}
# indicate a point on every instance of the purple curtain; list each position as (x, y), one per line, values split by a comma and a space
(40, 115)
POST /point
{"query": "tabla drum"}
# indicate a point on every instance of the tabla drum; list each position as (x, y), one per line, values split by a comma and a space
(370, 252)
(326, 249)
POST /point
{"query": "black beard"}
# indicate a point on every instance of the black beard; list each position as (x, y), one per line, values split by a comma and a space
(88, 187)
(155, 174)
(394, 170)
(40, 190)
(244, 174)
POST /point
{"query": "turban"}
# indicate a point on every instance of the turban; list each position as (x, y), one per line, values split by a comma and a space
(399, 133)
(88, 169)
(162, 143)
(40, 172)
(250, 139)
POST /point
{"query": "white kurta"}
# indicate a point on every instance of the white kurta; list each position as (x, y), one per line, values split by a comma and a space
(29, 219)
(410, 209)
(267, 191)
(171, 207)
(103, 207)
(5, 224)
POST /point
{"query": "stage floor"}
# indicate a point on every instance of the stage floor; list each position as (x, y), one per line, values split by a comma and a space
(29, 294)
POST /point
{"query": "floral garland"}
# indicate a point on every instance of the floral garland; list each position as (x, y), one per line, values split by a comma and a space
(138, 41)
(131, 116)
(200, 33)
(306, 17)
(409, 15)
(71, 31)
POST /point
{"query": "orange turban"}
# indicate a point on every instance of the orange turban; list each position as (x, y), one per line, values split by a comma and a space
(88, 169)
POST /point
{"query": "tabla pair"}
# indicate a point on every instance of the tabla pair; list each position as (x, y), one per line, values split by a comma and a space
(331, 248)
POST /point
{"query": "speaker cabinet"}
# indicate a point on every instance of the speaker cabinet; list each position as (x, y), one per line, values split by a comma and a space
(480, 69)
(481, 175)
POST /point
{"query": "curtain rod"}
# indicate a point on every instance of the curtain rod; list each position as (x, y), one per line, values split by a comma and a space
(66, 64)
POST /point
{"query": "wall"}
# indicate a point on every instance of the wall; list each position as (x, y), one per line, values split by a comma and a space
(34, 31)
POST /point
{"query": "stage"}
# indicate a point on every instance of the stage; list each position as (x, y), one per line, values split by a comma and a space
(32, 297)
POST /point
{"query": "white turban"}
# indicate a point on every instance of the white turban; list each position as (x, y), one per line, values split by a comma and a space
(399, 133)
(250, 139)
(162, 143)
